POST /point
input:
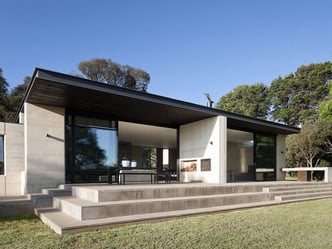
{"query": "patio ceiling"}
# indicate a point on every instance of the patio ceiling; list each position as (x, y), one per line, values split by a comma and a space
(61, 90)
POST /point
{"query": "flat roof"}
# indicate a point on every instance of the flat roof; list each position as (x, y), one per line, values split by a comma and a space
(68, 91)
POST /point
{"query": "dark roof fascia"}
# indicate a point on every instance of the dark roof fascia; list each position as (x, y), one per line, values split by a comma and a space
(271, 124)
(75, 81)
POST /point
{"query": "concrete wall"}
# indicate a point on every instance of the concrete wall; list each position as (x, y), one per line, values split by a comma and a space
(10, 182)
(205, 139)
(280, 157)
(45, 147)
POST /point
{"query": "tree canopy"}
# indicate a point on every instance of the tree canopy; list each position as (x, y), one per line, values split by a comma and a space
(295, 98)
(325, 107)
(249, 100)
(10, 100)
(109, 72)
(291, 100)
(312, 147)
(15, 98)
(4, 105)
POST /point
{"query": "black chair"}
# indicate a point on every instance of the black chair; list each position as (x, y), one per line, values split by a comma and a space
(164, 174)
(113, 171)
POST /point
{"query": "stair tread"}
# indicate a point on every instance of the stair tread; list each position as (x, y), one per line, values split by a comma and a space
(300, 191)
(306, 199)
(273, 189)
(83, 202)
(307, 194)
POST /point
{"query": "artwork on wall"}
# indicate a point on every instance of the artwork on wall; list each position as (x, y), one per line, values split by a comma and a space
(206, 165)
(189, 166)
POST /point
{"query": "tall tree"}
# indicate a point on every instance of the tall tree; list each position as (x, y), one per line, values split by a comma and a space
(325, 107)
(249, 100)
(107, 71)
(295, 97)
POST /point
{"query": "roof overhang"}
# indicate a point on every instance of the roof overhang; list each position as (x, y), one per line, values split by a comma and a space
(62, 90)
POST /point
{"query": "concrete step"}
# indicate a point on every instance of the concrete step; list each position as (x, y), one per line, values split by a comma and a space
(119, 193)
(41, 200)
(45, 198)
(62, 223)
(84, 210)
(304, 196)
(15, 206)
(297, 187)
(102, 205)
(56, 192)
(301, 191)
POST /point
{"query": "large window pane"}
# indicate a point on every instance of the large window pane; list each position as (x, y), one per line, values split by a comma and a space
(265, 156)
(91, 148)
(95, 148)
(95, 151)
(2, 169)
(240, 156)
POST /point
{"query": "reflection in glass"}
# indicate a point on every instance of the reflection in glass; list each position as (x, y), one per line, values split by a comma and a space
(265, 154)
(95, 148)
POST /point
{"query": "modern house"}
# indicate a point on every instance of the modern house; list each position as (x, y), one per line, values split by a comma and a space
(71, 130)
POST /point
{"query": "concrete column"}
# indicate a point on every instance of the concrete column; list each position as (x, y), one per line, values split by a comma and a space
(223, 149)
(280, 157)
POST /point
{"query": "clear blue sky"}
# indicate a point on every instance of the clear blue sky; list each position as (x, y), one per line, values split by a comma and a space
(188, 47)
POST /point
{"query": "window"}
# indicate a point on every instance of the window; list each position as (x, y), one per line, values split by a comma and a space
(265, 156)
(2, 167)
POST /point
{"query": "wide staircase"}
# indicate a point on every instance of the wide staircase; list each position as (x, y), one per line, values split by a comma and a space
(81, 208)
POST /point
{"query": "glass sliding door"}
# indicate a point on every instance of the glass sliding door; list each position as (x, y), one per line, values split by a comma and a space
(240, 156)
(265, 157)
(90, 149)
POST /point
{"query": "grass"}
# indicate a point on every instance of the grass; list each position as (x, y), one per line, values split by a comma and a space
(300, 225)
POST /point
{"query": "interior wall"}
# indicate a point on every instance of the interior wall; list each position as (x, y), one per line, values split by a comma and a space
(45, 147)
(233, 158)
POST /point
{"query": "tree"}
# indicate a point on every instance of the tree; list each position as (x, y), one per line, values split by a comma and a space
(15, 98)
(295, 98)
(325, 107)
(249, 100)
(324, 135)
(3, 97)
(312, 145)
(107, 71)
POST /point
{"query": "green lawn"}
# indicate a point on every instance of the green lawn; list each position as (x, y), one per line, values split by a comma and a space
(300, 225)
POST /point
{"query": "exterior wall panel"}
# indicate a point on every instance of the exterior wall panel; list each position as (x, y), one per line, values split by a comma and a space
(45, 147)
(205, 139)
(10, 182)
